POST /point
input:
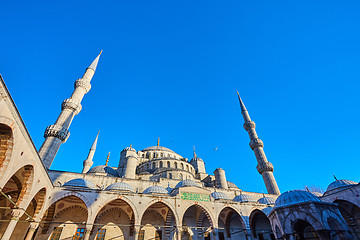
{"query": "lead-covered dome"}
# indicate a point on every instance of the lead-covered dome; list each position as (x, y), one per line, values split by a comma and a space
(129, 149)
(120, 186)
(158, 148)
(340, 184)
(155, 189)
(219, 195)
(80, 182)
(244, 198)
(231, 185)
(104, 169)
(187, 183)
(294, 197)
(266, 200)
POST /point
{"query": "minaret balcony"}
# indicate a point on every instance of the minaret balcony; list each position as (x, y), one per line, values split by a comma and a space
(72, 105)
(58, 132)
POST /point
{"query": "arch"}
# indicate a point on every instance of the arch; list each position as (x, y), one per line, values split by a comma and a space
(62, 195)
(115, 220)
(260, 225)
(233, 223)
(182, 166)
(68, 212)
(158, 219)
(351, 214)
(198, 219)
(168, 164)
(175, 164)
(6, 144)
(304, 230)
(153, 165)
(161, 164)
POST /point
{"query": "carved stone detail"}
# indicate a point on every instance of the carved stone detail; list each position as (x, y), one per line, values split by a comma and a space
(58, 132)
(255, 143)
(249, 125)
(265, 167)
(72, 105)
(84, 84)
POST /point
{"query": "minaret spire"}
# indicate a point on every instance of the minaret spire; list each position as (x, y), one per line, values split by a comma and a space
(58, 133)
(88, 161)
(158, 143)
(264, 167)
(194, 155)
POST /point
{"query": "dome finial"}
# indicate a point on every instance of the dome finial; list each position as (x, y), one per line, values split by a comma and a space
(158, 143)
(130, 145)
(194, 152)
(107, 159)
(335, 177)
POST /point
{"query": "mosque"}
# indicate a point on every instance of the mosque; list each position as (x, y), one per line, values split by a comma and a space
(153, 193)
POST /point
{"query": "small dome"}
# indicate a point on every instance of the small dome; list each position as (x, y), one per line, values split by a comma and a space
(244, 198)
(158, 148)
(339, 184)
(231, 185)
(104, 169)
(294, 197)
(266, 200)
(129, 149)
(187, 183)
(120, 186)
(155, 189)
(80, 182)
(219, 195)
(196, 159)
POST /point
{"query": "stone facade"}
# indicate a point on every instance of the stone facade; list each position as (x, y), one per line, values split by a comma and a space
(153, 193)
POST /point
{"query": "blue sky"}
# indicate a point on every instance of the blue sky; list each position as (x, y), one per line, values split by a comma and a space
(171, 69)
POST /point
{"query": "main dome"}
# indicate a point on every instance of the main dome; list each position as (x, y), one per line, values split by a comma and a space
(294, 197)
(340, 184)
(158, 148)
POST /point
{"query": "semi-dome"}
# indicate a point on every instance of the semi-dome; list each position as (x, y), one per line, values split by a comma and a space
(266, 200)
(187, 183)
(219, 195)
(244, 198)
(120, 186)
(294, 197)
(104, 169)
(158, 148)
(155, 189)
(338, 184)
(80, 182)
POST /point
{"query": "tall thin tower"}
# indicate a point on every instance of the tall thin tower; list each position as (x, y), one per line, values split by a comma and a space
(264, 167)
(58, 133)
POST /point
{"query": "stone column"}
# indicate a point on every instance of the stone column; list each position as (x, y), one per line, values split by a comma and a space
(136, 232)
(88, 230)
(32, 229)
(15, 215)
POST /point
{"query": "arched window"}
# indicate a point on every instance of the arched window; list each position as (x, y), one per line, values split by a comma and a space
(187, 167)
(147, 155)
(161, 164)
(175, 165)
(168, 164)
(170, 175)
(154, 165)
(181, 176)
(162, 155)
(155, 155)
(148, 166)
(182, 166)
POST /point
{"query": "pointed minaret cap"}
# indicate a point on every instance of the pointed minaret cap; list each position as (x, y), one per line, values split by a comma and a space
(93, 147)
(242, 105)
(93, 65)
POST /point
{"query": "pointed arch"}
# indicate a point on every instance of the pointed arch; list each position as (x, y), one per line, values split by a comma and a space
(233, 222)
(260, 224)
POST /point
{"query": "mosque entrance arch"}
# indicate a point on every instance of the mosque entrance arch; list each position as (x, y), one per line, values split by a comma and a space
(158, 222)
(16, 189)
(351, 214)
(197, 224)
(64, 219)
(260, 226)
(304, 230)
(231, 225)
(114, 221)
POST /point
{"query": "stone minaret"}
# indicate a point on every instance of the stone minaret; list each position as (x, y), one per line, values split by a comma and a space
(264, 167)
(58, 133)
(88, 162)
